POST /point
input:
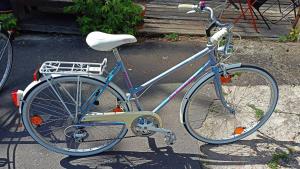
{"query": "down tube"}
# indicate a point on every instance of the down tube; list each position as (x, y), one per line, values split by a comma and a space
(191, 79)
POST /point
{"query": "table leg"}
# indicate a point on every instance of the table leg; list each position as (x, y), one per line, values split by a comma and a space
(252, 15)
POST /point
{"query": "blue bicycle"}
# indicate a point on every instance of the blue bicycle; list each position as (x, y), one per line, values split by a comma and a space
(72, 109)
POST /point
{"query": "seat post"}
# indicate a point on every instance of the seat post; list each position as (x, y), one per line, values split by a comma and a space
(127, 79)
(123, 68)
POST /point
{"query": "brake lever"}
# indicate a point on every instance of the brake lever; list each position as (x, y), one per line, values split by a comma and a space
(190, 12)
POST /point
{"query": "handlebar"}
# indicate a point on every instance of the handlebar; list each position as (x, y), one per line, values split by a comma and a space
(225, 28)
(187, 6)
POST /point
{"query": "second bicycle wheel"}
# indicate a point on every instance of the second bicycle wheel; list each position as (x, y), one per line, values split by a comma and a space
(46, 116)
(6, 58)
(250, 91)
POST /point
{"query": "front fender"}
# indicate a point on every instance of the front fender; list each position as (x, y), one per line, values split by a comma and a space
(199, 82)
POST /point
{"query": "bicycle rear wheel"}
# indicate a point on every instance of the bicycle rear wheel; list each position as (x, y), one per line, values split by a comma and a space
(6, 59)
(48, 121)
(250, 91)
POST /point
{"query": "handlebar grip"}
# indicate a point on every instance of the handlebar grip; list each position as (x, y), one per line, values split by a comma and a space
(219, 35)
(187, 6)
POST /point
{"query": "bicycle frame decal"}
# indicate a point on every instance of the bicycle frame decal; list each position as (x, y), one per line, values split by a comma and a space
(191, 79)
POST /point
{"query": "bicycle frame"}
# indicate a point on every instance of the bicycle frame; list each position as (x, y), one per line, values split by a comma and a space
(211, 63)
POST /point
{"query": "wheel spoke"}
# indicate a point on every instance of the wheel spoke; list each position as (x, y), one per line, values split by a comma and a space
(221, 126)
(58, 131)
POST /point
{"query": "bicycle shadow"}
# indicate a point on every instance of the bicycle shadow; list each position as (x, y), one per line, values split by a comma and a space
(11, 135)
(257, 151)
(163, 157)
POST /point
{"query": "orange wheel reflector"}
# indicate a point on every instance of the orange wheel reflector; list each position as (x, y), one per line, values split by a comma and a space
(36, 120)
(118, 109)
(225, 79)
(239, 130)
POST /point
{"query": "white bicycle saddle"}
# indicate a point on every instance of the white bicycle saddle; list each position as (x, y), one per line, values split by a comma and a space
(106, 42)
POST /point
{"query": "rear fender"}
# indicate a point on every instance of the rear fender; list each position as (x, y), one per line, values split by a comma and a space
(34, 84)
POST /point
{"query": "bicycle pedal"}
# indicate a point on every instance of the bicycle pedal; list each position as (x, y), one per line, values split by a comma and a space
(170, 138)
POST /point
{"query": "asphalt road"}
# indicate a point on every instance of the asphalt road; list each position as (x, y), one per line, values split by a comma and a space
(144, 60)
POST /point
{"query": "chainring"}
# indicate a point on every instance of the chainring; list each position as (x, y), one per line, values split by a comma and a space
(139, 125)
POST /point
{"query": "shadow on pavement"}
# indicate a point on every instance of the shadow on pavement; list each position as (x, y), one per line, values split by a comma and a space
(11, 137)
(160, 158)
(257, 151)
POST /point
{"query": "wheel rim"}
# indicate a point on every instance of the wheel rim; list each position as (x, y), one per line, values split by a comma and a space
(5, 59)
(215, 126)
(59, 132)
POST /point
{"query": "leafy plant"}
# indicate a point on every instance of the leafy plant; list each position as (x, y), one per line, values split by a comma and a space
(172, 37)
(274, 163)
(8, 21)
(110, 16)
(293, 36)
(258, 112)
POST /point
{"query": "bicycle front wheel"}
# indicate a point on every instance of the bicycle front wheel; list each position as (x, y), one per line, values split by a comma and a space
(251, 91)
(46, 116)
(6, 58)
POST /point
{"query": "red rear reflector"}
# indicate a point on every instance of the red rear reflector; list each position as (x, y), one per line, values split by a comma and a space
(14, 97)
(36, 75)
(36, 120)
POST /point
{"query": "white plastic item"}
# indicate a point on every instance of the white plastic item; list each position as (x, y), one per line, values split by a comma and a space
(219, 35)
(187, 6)
(106, 42)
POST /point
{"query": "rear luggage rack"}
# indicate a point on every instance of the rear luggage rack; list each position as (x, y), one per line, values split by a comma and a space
(71, 68)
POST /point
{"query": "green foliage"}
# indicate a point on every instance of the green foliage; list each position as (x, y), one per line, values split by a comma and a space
(293, 36)
(274, 163)
(258, 112)
(236, 75)
(110, 16)
(172, 37)
(8, 21)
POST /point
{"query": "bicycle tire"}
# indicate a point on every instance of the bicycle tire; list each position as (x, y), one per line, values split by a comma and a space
(6, 59)
(50, 111)
(209, 125)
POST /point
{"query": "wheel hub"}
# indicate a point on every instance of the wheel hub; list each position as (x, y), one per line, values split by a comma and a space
(80, 134)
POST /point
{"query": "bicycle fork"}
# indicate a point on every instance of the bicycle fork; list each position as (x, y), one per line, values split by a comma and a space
(218, 88)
